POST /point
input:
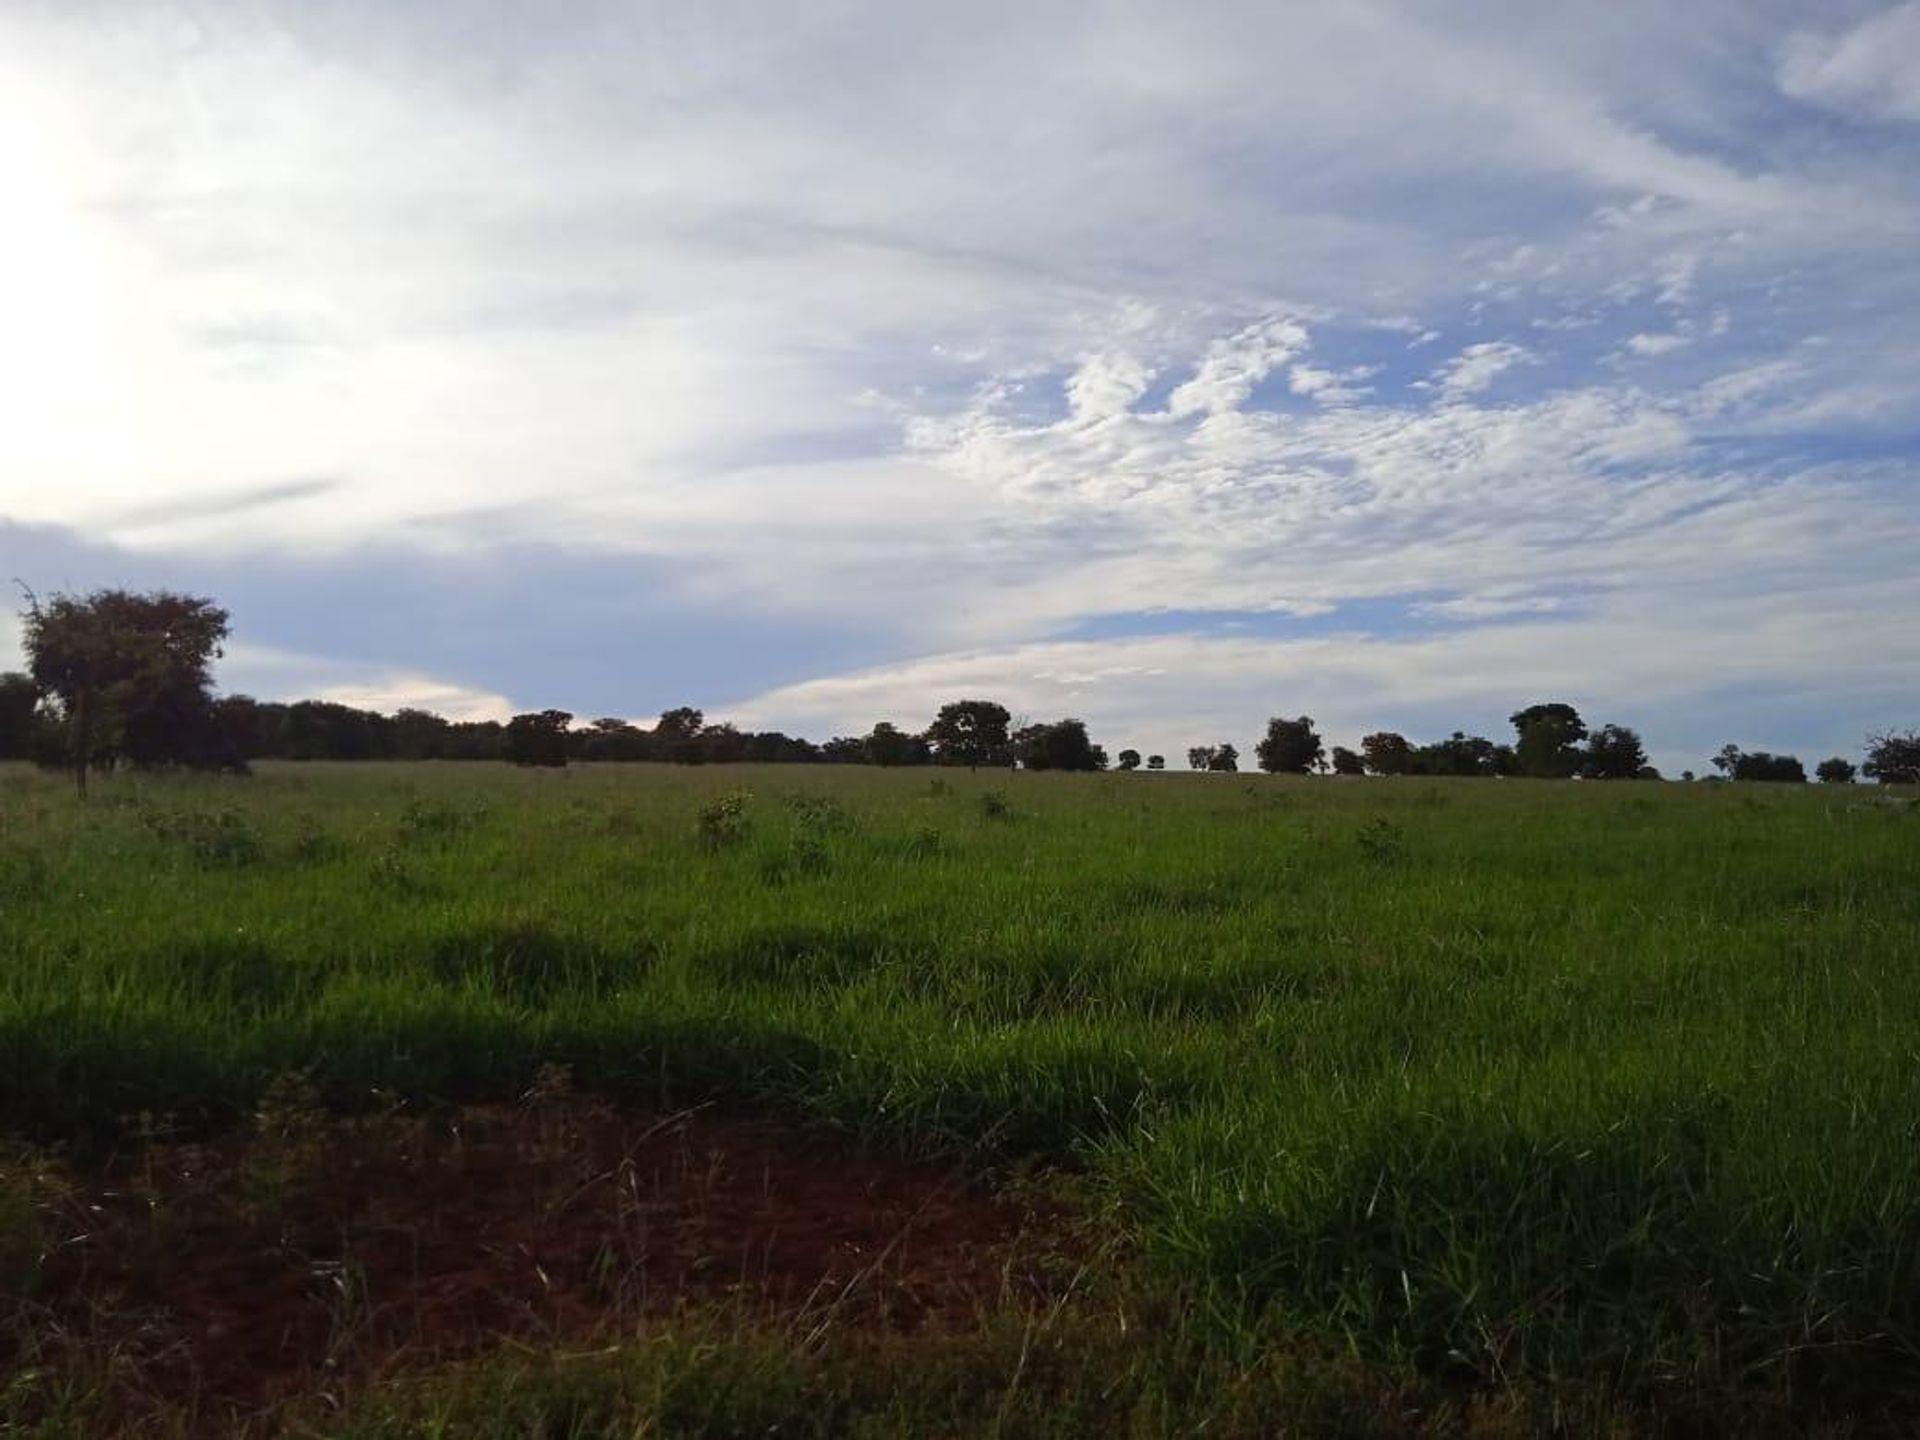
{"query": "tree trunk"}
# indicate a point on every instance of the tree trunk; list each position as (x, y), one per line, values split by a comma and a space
(80, 738)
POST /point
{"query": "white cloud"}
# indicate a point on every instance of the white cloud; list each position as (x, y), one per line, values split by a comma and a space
(1871, 70)
(1233, 366)
(1332, 387)
(270, 674)
(1488, 606)
(1105, 386)
(1167, 692)
(1646, 343)
(759, 298)
(1477, 367)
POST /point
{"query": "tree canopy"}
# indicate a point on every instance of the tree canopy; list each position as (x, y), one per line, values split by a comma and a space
(971, 733)
(1546, 741)
(1291, 747)
(129, 676)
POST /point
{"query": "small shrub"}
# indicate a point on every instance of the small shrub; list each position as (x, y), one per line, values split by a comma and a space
(25, 875)
(925, 844)
(313, 844)
(214, 839)
(725, 822)
(1382, 841)
(810, 854)
(819, 814)
(994, 806)
(389, 871)
(425, 820)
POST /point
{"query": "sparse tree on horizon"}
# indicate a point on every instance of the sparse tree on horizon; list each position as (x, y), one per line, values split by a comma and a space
(971, 733)
(1291, 747)
(1614, 752)
(129, 676)
(1893, 757)
(1387, 753)
(539, 738)
(1546, 742)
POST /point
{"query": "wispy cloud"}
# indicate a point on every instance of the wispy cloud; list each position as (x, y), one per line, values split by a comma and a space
(1871, 69)
(753, 336)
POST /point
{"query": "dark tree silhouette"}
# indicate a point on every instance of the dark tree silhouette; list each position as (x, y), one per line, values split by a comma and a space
(1614, 752)
(1759, 765)
(128, 676)
(888, 744)
(971, 733)
(1835, 771)
(539, 738)
(1156, 762)
(1348, 762)
(1893, 757)
(19, 715)
(683, 723)
(1461, 754)
(1063, 745)
(1218, 758)
(1547, 738)
(1387, 753)
(1291, 747)
(1129, 760)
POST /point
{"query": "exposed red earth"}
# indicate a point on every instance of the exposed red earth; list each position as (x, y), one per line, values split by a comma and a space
(251, 1267)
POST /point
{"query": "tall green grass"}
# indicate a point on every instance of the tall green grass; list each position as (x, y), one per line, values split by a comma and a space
(1499, 1081)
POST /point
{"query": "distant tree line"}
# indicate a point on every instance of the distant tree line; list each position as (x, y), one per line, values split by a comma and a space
(123, 679)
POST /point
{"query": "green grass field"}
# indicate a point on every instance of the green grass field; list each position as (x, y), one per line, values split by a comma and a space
(1389, 1105)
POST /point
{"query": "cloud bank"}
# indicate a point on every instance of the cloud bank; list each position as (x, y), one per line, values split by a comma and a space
(1395, 363)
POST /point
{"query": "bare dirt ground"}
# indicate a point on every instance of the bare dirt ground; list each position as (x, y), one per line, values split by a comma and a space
(319, 1252)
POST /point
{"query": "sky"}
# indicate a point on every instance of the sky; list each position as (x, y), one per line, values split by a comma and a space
(1170, 367)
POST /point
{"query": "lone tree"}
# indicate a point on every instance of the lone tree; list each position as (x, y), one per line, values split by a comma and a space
(1893, 758)
(1347, 762)
(1835, 771)
(1129, 760)
(1156, 762)
(971, 733)
(1063, 745)
(127, 676)
(1614, 752)
(1387, 753)
(1292, 747)
(1547, 739)
(539, 738)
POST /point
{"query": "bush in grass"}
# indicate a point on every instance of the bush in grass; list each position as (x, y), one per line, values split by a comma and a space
(424, 820)
(817, 814)
(924, 844)
(1382, 841)
(25, 874)
(725, 822)
(214, 839)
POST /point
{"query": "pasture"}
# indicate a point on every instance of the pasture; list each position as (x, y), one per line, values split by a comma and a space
(1335, 1106)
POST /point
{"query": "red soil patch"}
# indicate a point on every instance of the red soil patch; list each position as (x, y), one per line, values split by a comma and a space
(247, 1269)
